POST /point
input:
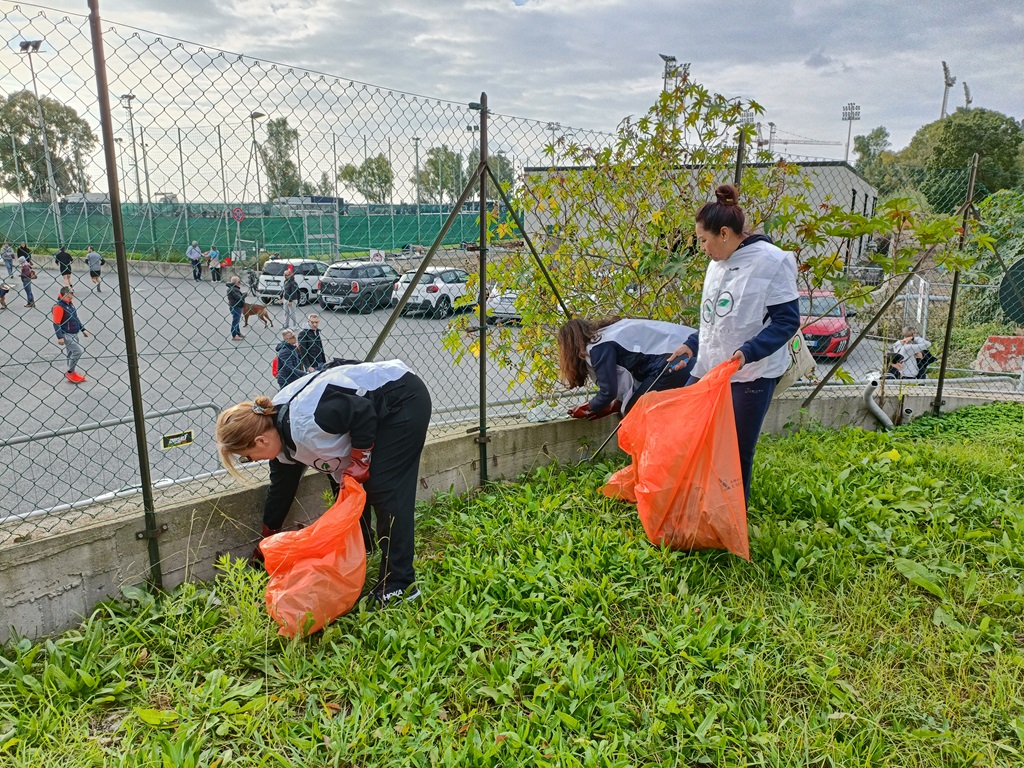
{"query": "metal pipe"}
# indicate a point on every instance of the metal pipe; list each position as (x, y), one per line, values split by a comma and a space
(875, 408)
(46, 154)
(740, 148)
(127, 317)
(482, 300)
(149, 197)
(397, 311)
(184, 194)
(530, 245)
(937, 404)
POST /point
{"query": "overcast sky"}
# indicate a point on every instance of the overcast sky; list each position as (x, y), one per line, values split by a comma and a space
(589, 63)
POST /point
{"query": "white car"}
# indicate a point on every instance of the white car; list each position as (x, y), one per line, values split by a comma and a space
(436, 292)
(307, 277)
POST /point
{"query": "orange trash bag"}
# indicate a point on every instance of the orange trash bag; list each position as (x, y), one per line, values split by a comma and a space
(317, 573)
(685, 476)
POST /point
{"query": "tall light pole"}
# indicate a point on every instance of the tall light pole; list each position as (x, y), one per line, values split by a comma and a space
(253, 117)
(28, 47)
(949, 82)
(126, 100)
(416, 144)
(851, 112)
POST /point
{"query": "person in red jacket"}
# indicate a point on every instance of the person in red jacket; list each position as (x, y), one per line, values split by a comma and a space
(67, 326)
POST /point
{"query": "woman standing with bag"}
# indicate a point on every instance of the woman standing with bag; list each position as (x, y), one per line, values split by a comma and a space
(749, 310)
(332, 421)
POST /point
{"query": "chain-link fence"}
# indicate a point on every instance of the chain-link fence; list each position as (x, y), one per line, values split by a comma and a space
(266, 167)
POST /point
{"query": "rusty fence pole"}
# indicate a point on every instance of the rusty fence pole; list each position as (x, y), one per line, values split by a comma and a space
(938, 402)
(151, 531)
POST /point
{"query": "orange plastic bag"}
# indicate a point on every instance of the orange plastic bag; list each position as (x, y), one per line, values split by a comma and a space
(317, 573)
(685, 477)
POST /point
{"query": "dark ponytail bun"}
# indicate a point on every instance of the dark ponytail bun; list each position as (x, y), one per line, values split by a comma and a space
(724, 212)
(726, 194)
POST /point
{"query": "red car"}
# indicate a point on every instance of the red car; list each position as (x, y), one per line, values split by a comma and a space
(824, 321)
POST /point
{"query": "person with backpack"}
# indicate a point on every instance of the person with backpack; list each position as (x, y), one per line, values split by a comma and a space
(287, 367)
(67, 326)
(334, 421)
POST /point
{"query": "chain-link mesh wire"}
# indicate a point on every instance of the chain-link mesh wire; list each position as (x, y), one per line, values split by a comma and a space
(264, 165)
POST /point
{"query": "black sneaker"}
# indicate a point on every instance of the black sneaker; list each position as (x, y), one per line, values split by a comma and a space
(379, 599)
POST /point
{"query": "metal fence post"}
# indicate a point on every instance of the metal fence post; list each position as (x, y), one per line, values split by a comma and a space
(482, 438)
(151, 531)
(937, 403)
(740, 148)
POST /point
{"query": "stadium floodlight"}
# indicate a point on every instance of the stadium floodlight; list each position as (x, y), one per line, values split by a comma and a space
(851, 112)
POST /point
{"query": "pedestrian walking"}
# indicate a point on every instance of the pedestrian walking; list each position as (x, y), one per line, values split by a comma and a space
(333, 421)
(311, 347)
(27, 276)
(63, 259)
(290, 297)
(7, 254)
(94, 262)
(25, 252)
(195, 255)
(236, 303)
(288, 367)
(67, 326)
(213, 260)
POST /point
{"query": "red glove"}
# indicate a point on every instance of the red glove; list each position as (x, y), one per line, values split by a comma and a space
(580, 411)
(614, 407)
(359, 465)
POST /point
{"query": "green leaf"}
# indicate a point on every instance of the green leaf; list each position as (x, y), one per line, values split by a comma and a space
(920, 576)
(158, 718)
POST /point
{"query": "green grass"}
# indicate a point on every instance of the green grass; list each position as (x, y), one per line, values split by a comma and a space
(879, 623)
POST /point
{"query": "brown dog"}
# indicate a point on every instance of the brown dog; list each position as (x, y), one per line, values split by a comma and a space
(257, 310)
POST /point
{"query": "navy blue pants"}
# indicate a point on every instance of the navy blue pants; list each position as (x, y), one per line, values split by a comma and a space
(750, 401)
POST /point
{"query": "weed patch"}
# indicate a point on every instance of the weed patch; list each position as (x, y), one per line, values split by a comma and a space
(879, 623)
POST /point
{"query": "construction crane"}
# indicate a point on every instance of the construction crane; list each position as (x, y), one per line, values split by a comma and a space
(967, 96)
(771, 141)
(950, 82)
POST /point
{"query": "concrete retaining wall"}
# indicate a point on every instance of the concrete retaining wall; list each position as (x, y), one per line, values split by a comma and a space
(49, 584)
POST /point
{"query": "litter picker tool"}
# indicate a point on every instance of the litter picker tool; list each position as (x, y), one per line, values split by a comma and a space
(669, 364)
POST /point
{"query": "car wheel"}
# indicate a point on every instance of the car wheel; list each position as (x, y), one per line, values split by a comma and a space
(303, 297)
(443, 308)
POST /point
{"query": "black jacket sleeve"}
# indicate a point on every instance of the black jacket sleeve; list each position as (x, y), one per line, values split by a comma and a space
(284, 482)
(340, 412)
(604, 361)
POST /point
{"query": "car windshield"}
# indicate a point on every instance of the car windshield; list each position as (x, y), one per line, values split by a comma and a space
(820, 306)
(426, 279)
(275, 268)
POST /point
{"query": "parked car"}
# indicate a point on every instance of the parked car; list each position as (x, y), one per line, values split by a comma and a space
(824, 320)
(307, 277)
(360, 285)
(436, 292)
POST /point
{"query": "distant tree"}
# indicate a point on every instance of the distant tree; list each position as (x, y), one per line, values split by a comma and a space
(277, 151)
(68, 137)
(325, 187)
(442, 177)
(996, 138)
(374, 178)
(501, 164)
(876, 162)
